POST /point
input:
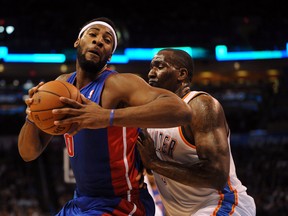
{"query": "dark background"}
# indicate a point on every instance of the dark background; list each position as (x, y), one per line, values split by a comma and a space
(53, 25)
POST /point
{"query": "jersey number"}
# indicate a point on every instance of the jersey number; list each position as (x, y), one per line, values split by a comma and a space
(69, 144)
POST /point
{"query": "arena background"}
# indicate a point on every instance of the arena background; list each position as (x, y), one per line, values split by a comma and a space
(252, 92)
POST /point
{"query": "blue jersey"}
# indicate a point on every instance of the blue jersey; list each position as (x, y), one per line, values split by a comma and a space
(105, 163)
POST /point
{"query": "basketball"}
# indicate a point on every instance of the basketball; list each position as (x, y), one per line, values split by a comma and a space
(45, 99)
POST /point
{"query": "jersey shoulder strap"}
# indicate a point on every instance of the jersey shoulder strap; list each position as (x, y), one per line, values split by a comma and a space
(188, 97)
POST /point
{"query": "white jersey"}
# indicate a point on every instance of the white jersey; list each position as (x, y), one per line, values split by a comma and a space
(180, 199)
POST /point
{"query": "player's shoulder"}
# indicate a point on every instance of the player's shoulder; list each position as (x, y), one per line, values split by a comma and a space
(204, 103)
(128, 75)
(64, 77)
(203, 97)
(126, 78)
(198, 97)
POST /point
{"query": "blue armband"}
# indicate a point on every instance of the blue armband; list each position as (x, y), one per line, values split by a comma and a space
(111, 117)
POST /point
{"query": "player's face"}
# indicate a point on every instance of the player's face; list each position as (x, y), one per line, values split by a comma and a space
(163, 74)
(94, 48)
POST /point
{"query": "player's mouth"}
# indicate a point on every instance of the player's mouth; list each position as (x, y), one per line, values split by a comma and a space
(94, 52)
(152, 82)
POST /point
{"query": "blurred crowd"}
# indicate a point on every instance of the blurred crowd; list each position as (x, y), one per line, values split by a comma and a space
(258, 119)
(38, 188)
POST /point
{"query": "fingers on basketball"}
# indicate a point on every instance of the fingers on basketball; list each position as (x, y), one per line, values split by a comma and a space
(45, 99)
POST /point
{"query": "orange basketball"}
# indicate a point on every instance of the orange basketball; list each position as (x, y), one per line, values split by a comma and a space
(46, 99)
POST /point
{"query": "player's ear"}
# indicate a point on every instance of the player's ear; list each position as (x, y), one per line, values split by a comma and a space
(183, 74)
(76, 43)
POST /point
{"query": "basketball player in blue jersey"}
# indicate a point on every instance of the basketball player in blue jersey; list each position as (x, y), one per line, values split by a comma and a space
(192, 164)
(102, 146)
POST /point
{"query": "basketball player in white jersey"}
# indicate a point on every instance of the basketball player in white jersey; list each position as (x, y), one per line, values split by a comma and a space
(192, 164)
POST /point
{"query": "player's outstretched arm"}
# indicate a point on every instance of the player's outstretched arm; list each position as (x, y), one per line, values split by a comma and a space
(142, 106)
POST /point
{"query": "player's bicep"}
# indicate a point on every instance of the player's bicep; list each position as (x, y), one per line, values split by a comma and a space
(209, 128)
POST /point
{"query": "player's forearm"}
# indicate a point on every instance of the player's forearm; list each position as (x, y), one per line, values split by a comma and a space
(194, 175)
(163, 112)
(30, 145)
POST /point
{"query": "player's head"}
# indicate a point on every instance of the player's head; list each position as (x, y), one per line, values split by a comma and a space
(96, 42)
(102, 21)
(170, 68)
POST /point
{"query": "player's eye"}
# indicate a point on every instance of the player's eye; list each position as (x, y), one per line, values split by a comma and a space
(92, 34)
(161, 66)
(107, 40)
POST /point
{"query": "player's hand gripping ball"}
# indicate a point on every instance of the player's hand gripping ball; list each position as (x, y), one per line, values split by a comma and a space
(45, 99)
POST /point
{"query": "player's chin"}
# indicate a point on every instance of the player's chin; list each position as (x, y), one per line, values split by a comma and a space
(154, 84)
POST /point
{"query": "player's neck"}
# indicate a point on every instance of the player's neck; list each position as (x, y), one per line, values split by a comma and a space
(183, 90)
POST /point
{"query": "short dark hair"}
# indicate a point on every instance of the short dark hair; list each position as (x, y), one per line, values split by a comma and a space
(182, 59)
